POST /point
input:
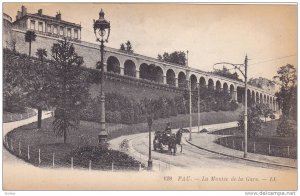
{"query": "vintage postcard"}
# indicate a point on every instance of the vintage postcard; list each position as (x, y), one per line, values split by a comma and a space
(160, 96)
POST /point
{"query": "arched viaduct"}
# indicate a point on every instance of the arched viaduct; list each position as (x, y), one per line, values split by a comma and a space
(147, 68)
(150, 69)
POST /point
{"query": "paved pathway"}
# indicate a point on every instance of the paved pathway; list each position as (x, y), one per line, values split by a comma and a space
(8, 158)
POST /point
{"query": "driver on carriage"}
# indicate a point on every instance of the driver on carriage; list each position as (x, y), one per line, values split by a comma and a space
(168, 129)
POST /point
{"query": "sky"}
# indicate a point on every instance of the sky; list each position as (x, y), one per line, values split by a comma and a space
(211, 33)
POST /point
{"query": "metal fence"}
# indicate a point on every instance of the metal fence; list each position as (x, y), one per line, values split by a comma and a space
(46, 158)
(264, 148)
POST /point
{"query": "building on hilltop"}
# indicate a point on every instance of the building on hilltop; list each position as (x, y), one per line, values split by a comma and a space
(125, 72)
(263, 83)
(47, 25)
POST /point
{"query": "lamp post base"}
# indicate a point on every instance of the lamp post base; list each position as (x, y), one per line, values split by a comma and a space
(149, 164)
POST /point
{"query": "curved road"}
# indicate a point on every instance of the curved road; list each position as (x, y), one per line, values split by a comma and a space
(191, 157)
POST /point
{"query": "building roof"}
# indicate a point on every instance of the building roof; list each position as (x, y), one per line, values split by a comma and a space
(50, 18)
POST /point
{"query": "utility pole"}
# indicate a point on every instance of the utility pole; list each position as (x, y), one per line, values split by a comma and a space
(244, 73)
(190, 98)
(199, 107)
(190, 95)
(246, 114)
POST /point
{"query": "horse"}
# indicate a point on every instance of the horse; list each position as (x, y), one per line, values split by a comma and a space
(178, 138)
(174, 140)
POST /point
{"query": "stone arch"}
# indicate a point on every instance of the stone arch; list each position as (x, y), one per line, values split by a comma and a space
(240, 94)
(202, 82)
(144, 71)
(225, 87)
(129, 68)
(210, 84)
(248, 95)
(218, 85)
(171, 79)
(181, 80)
(257, 98)
(193, 80)
(231, 89)
(113, 64)
(158, 75)
(268, 100)
(253, 96)
(261, 98)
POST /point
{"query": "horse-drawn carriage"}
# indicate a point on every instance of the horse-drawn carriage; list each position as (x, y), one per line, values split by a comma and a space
(169, 139)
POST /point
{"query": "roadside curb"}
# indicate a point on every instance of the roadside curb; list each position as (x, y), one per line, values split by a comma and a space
(246, 159)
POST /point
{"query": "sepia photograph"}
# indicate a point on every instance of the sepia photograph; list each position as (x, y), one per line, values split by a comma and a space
(149, 96)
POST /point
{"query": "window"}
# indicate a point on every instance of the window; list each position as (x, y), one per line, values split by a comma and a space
(69, 32)
(41, 26)
(61, 31)
(55, 30)
(32, 24)
(75, 33)
(49, 28)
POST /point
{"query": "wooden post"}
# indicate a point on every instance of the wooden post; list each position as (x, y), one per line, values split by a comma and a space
(20, 153)
(90, 165)
(269, 148)
(140, 167)
(233, 144)
(254, 147)
(225, 141)
(288, 149)
(72, 163)
(53, 160)
(28, 152)
(158, 165)
(11, 145)
(112, 166)
(11, 118)
(21, 116)
(7, 144)
(39, 156)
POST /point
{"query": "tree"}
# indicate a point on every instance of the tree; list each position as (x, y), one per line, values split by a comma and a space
(287, 80)
(129, 47)
(122, 47)
(286, 127)
(69, 88)
(177, 57)
(30, 37)
(41, 53)
(265, 111)
(14, 93)
(254, 121)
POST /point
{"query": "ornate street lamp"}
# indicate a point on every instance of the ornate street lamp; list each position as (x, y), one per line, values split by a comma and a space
(102, 31)
(245, 74)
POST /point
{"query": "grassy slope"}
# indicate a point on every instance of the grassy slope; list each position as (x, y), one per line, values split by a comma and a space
(48, 143)
(267, 136)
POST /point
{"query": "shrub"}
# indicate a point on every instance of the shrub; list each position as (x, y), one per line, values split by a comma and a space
(113, 117)
(233, 105)
(286, 127)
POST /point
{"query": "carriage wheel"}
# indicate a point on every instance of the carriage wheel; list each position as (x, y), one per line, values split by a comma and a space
(161, 147)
